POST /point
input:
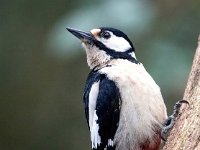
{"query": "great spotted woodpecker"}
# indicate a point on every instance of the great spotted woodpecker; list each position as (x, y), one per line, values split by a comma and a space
(124, 107)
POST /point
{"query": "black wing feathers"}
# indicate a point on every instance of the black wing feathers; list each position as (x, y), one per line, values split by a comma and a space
(93, 77)
(107, 107)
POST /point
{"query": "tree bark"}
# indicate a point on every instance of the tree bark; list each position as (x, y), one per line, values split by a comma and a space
(185, 134)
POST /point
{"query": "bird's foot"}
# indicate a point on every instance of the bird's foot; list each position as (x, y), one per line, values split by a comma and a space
(170, 121)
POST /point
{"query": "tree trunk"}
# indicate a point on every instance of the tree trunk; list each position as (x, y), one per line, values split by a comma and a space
(185, 134)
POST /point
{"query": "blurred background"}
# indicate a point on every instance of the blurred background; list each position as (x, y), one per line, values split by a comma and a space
(43, 67)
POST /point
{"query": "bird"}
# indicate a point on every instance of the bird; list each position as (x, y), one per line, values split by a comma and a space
(124, 107)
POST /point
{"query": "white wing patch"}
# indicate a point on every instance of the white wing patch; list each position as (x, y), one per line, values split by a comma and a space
(110, 142)
(94, 127)
(95, 138)
(92, 102)
(116, 43)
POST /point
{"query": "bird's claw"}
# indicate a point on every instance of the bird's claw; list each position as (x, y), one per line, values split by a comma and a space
(170, 121)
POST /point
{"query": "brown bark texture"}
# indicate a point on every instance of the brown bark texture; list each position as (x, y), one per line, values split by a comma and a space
(185, 134)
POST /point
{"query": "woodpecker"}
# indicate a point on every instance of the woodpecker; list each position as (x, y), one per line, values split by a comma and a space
(124, 107)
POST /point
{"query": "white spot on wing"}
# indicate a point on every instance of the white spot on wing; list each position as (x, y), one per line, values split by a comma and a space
(116, 43)
(110, 142)
(95, 138)
(92, 102)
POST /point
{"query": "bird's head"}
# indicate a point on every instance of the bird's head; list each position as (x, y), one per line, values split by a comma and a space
(104, 44)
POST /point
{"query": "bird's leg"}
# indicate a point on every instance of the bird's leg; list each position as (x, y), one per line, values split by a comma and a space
(170, 121)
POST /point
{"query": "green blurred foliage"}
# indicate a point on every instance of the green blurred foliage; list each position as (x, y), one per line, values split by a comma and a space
(41, 95)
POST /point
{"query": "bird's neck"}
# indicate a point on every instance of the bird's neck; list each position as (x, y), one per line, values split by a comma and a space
(96, 58)
(98, 61)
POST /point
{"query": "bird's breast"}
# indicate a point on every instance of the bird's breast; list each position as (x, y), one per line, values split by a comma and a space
(143, 110)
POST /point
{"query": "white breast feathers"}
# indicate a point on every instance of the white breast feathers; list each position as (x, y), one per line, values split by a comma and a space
(143, 109)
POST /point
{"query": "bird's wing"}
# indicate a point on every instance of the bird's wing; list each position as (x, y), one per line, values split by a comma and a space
(102, 107)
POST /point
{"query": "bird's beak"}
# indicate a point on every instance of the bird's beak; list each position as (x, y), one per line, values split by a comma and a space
(83, 36)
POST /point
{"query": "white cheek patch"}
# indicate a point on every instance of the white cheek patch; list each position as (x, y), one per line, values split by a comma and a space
(116, 43)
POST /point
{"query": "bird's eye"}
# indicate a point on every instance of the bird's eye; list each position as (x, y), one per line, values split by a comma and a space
(105, 35)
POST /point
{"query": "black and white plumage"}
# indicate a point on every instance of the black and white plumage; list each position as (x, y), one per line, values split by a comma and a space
(124, 107)
(102, 108)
